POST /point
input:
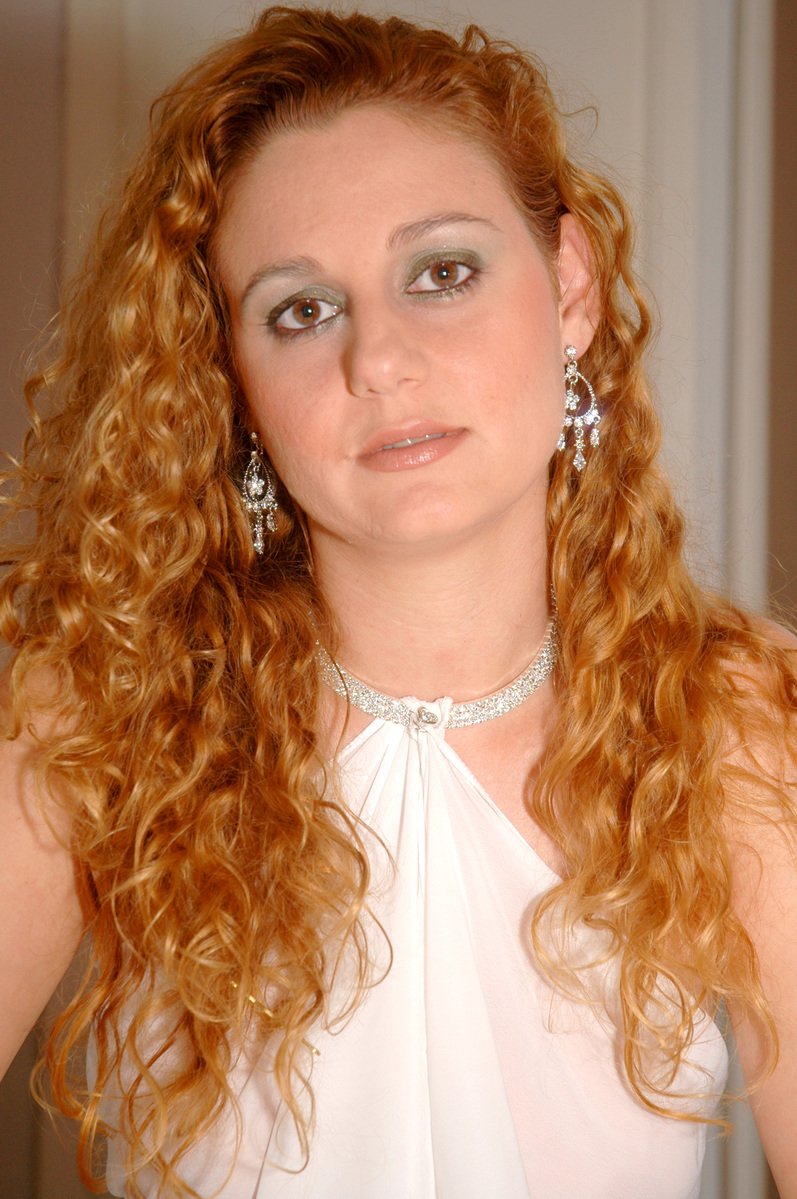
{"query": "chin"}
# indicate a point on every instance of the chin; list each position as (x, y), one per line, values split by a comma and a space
(431, 527)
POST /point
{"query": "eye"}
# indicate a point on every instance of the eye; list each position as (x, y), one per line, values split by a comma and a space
(298, 315)
(442, 275)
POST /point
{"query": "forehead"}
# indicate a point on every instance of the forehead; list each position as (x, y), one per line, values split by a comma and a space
(367, 165)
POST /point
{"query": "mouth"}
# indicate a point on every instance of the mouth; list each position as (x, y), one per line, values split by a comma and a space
(417, 433)
(400, 449)
(408, 441)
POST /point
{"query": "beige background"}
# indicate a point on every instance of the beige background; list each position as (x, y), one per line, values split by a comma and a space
(685, 94)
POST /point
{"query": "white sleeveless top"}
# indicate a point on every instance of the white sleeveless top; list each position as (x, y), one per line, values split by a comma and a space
(461, 1075)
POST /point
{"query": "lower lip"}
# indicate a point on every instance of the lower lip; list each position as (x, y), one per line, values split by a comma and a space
(407, 457)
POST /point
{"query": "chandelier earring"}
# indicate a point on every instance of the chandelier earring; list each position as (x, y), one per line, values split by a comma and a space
(576, 418)
(259, 492)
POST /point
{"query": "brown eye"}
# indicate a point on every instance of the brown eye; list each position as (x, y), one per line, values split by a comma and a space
(442, 276)
(308, 312)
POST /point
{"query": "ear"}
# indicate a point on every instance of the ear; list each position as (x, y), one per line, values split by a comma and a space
(579, 302)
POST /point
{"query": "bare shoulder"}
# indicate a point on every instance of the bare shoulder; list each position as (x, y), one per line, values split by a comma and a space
(761, 732)
(42, 920)
(764, 873)
(761, 827)
(760, 768)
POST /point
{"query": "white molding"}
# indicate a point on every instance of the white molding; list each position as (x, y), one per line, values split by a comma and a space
(749, 390)
(685, 255)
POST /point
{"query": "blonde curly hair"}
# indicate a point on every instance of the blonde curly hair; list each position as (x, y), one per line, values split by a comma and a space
(215, 862)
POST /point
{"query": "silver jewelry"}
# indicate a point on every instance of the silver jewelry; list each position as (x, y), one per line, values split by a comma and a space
(259, 491)
(575, 420)
(474, 711)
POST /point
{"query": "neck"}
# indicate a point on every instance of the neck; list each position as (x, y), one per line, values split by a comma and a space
(463, 622)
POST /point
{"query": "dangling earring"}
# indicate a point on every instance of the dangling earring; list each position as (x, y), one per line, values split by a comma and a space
(259, 491)
(573, 419)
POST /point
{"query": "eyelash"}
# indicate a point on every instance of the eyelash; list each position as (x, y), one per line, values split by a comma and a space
(453, 259)
(417, 271)
(293, 302)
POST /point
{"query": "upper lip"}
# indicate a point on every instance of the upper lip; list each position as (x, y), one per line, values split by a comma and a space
(418, 431)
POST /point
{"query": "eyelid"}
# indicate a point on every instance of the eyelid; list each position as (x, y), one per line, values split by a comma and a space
(304, 293)
(442, 254)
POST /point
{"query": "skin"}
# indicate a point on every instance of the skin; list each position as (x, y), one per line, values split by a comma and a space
(765, 896)
(764, 874)
(42, 918)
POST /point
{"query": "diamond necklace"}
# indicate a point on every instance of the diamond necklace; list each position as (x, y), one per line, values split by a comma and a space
(474, 711)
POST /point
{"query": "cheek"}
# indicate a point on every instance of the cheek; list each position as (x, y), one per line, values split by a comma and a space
(525, 328)
(276, 401)
(283, 384)
(528, 371)
(295, 436)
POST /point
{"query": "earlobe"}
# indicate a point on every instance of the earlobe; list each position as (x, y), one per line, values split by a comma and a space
(579, 302)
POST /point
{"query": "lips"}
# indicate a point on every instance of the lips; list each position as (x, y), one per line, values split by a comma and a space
(387, 440)
(393, 451)
(401, 445)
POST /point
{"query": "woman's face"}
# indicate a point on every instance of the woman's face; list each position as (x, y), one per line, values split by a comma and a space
(397, 331)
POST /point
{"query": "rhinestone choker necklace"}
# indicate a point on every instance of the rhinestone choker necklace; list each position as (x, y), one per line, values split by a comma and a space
(474, 711)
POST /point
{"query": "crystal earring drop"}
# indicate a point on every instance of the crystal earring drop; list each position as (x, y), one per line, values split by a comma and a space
(259, 492)
(575, 419)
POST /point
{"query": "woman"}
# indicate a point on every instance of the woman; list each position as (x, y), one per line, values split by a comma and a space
(348, 416)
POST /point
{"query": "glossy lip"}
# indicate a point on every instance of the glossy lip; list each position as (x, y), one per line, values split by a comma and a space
(394, 440)
(389, 451)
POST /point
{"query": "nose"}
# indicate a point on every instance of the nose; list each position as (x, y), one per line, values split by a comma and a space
(382, 355)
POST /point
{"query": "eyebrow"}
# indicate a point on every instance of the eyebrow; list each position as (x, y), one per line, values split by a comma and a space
(400, 236)
(303, 265)
(415, 230)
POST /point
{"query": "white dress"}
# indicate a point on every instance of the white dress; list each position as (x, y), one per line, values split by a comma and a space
(461, 1075)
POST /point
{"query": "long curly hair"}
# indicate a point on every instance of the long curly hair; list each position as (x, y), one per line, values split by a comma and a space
(223, 882)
